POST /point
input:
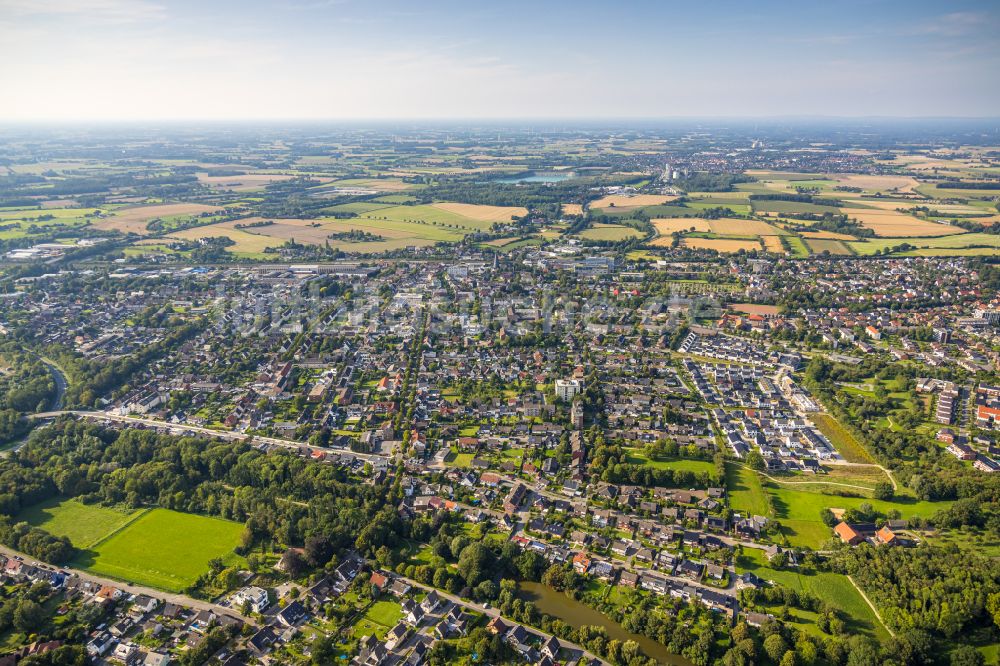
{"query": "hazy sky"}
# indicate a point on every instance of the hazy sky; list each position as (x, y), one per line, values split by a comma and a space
(249, 59)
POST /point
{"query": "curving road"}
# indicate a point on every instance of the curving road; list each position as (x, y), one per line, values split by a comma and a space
(59, 377)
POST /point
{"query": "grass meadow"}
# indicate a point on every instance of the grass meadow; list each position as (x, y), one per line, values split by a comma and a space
(83, 524)
(158, 548)
(835, 589)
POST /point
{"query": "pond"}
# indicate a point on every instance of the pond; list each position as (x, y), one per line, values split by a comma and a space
(538, 177)
(578, 614)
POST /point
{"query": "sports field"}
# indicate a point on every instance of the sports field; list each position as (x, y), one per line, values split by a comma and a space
(159, 548)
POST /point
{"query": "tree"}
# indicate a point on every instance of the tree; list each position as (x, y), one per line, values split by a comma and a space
(775, 647)
(28, 616)
(324, 650)
(862, 651)
(318, 550)
(966, 655)
(755, 460)
(883, 490)
(472, 563)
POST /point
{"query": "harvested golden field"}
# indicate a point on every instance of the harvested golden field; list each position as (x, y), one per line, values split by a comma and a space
(245, 242)
(735, 194)
(985, 221)
(827, 235)
(879, 183)
(134, 220)
(572, 209)
(773, 244)
(482, 213)
(724, 245)
(379, 184)
(728, 226)
(252, 240)
(243, 182)
(890, 224)
(668, 225)
(756, 308)
(929, 163)
(635, 201)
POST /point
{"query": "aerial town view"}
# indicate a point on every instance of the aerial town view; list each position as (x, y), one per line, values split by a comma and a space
(499, 351)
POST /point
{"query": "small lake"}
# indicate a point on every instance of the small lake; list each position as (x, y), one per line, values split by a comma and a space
(538, 177)
(578, 614)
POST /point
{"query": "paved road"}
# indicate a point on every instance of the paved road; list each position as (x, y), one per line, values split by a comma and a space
(59, 377)
(181, 428)
(178, 599)
(493, 612)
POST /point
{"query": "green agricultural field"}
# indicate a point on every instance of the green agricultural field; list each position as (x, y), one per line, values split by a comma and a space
(430, 216)
(32, 214)
(609, 232)
(652, 212)
(83, 524)
(25, 222)
(933, 191)
(740, 208)
(356, 207)
(774, 206)
(940, 246)
(796, 246)
(164, 549)
(821, 245)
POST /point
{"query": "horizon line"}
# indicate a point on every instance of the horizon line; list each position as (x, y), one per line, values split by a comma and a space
(481, 119)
